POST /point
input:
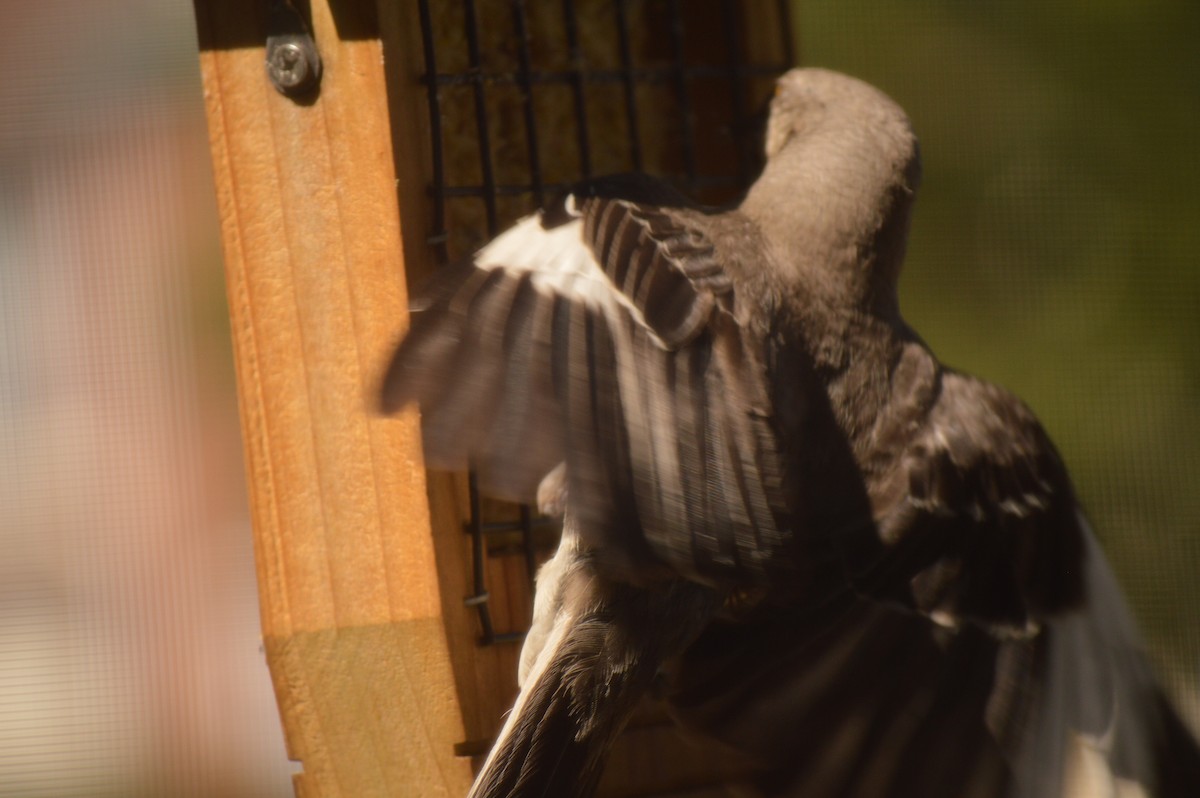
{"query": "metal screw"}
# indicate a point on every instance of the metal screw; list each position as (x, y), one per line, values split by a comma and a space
(292, 65)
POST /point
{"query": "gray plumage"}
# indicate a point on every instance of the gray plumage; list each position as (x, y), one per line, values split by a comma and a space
(865, 571)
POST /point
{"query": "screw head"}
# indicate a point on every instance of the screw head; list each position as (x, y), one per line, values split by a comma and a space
(292, 67)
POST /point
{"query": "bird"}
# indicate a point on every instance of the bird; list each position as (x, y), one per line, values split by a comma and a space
(864, 572)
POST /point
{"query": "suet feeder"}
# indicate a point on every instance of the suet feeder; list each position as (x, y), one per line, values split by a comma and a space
(357, 146)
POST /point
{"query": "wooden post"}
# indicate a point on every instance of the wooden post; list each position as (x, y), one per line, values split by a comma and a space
(352, 620)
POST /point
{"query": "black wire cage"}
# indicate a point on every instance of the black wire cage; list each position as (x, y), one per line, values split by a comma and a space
(526, 98)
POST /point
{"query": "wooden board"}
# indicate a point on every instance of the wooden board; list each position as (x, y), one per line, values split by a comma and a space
(351, 610)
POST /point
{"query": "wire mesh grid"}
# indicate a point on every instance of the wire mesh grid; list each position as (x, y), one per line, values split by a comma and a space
(526, 99)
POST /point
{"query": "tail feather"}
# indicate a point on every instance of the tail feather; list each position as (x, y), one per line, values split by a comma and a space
(547, 747)
(584, 676)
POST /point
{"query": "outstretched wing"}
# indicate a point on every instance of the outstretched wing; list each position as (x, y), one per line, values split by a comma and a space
(982, 522)
(603, 333)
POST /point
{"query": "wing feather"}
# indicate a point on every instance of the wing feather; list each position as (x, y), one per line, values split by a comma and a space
(601, 334)
(526, 399)
(979, 517)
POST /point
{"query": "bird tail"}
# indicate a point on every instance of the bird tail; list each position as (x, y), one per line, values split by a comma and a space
(553, 742)
(1101, 724)
(603, 650)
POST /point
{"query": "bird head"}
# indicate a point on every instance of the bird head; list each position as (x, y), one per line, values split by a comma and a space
(843, 167)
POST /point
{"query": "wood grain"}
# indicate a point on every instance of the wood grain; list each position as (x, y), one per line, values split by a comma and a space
(350, 601)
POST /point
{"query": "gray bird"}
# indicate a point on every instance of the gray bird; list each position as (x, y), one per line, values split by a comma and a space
(864, 571)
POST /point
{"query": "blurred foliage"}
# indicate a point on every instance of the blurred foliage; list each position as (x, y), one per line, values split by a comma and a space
(1056, 243)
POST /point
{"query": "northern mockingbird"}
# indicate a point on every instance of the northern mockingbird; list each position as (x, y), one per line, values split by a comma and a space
(865, 571)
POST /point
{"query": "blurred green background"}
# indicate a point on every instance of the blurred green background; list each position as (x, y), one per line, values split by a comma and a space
(1055, 249)
(1056, 244)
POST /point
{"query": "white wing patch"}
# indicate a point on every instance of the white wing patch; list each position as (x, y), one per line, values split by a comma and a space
(561, 263)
